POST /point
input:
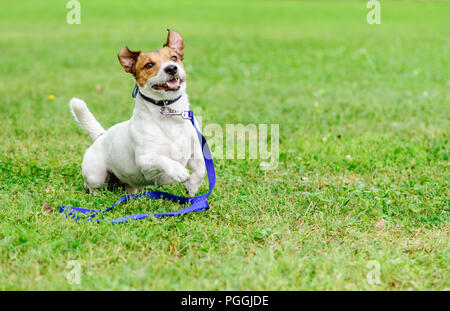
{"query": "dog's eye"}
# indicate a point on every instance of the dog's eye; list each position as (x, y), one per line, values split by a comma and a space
(174, 58)
(149, 65)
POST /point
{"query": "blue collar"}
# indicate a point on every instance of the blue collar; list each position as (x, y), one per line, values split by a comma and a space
(160, 103)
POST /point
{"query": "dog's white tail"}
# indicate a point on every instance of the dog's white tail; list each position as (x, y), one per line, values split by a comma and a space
(85, 118)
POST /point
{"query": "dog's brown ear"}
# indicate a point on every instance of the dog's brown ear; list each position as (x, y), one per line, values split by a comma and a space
(175, 42)
(128, 59)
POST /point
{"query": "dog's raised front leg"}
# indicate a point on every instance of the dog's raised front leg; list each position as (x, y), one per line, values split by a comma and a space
(151, 162)
(197, 164)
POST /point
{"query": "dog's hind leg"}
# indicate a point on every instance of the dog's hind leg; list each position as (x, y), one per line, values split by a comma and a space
(131, 190)
(114, 183)
(94, 169)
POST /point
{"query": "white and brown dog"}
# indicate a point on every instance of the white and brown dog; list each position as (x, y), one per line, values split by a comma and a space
(151, 148)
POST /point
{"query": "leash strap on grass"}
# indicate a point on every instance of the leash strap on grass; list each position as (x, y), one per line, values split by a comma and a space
(198, 203)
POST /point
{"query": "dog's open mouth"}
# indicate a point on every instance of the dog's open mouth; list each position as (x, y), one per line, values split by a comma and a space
(171, 85)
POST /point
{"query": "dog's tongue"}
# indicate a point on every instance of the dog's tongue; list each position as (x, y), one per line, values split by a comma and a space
(173, 84)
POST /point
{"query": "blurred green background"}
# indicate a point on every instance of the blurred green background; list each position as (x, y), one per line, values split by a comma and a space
(363, 173)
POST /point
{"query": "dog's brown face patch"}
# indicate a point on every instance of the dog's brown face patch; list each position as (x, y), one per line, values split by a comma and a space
(148, 64)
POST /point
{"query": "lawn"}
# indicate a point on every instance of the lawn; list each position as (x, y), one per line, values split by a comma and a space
(362, 179)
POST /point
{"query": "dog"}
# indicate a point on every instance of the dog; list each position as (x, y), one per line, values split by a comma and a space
(153, 147)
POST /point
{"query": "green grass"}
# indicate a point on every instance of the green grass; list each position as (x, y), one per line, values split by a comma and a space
(336, 85)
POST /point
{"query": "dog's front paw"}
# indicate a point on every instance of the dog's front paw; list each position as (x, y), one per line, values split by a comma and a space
(191, 187)
(178, 173)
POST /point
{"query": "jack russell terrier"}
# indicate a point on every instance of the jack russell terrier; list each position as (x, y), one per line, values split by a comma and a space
(156, 144)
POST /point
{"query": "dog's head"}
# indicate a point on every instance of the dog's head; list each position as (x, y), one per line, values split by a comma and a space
(159, 74)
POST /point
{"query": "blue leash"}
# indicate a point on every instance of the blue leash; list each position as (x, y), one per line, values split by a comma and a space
(198, 203)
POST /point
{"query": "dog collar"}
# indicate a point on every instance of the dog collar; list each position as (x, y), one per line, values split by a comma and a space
(161, 103)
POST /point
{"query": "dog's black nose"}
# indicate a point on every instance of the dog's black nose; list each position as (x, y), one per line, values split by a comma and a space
(171, 69)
